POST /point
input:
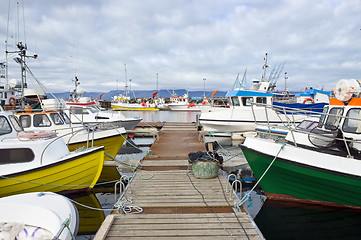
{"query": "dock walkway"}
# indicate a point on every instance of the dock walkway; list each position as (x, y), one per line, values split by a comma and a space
(175, 204)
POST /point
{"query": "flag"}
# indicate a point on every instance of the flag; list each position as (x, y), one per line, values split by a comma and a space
(155, 94)
(213, 93)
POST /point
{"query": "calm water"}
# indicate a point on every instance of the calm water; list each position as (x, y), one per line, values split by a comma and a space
(275, 219)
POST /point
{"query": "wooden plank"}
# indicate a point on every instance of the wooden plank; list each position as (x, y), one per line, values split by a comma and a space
(105, 227)
(176, 204)
(214, 237)
(179, 232)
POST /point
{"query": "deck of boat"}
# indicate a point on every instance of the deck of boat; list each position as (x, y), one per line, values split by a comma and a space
(175, 204)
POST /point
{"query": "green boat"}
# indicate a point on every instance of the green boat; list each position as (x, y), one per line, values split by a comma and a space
(317, 162)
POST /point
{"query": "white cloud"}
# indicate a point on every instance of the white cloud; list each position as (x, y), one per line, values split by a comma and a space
(186, 41)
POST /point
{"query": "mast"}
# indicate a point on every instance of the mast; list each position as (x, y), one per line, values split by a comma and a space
(22, 53)
(157, 85)
(126, 84)
(265, 66)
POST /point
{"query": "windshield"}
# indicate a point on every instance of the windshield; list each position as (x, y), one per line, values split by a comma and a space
(15, 122)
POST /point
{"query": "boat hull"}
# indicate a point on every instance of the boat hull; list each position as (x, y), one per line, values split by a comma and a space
(112, 144)
(291, 178)
(134, 108)
(76, 172)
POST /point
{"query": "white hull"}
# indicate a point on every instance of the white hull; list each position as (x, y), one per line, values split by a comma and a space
(37, 216)
(240, 120)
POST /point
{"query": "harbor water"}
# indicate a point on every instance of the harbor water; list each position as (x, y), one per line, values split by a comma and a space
(275, 219)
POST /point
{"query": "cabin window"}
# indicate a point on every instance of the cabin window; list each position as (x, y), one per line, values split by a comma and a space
(65, 117)
(235, 101)
(323, 117)
(25, 121)
(16, 124)
(5, 126)
(41, 120)
(247, 101)
(261, 100)
(78, 110)
(56, 118)
(93, 110)
(16, 155)
(352, 122)
(333, 118)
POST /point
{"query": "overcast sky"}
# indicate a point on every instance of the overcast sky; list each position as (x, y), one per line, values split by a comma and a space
(184, 41)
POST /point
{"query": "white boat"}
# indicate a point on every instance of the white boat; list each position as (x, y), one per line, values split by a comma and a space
(245, 112)
(318, 162)
(247, 109)
(183, 104)
(84, 110)
(38, 215)
(41, 161)
(75, 135)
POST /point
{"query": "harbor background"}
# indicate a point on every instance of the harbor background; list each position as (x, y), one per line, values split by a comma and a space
(275, 219)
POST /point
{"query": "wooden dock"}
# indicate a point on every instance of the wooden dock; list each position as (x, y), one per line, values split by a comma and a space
(175, 204)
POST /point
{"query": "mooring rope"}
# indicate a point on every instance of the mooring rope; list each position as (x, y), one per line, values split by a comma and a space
(210, 208)
(244, 199)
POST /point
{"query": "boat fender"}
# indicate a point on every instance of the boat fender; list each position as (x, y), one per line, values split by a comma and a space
(31, 135)
(191, 105)
(12, 101)
(143, 104)
(32, 232)
(308, 100)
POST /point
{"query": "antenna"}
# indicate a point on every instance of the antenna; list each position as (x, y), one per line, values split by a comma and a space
(286, 78)
(265, 66)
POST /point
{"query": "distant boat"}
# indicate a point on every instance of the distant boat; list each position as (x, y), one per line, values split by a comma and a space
(319, 161)
(84, 110)
(122, 103)
(38, 215)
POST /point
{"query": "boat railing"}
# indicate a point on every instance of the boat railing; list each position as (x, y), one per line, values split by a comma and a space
(333, 134)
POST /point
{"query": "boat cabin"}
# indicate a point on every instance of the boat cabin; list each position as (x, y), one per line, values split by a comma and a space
(9, 125)
(245, 98)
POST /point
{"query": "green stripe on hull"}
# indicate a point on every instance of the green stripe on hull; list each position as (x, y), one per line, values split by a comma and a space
(304, 182)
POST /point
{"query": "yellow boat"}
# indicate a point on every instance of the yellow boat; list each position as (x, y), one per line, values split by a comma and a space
(75, 136)
(39, 161)
(135, 107)
(112, 140)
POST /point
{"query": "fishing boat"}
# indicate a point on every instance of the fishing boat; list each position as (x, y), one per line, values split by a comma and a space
(38, 215)
(183, 104)
(318, 162)
(246, 109)
(84, 110)
(75, 135)
(40, 161)
(122, 103)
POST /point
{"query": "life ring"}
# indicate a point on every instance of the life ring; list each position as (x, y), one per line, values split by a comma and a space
(308, 100)
(12, 101)
(31, 135)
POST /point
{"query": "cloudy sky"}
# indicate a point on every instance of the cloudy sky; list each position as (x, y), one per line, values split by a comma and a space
(184, 41)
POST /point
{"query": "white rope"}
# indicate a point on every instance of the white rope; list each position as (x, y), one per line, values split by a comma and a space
(244, 199)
